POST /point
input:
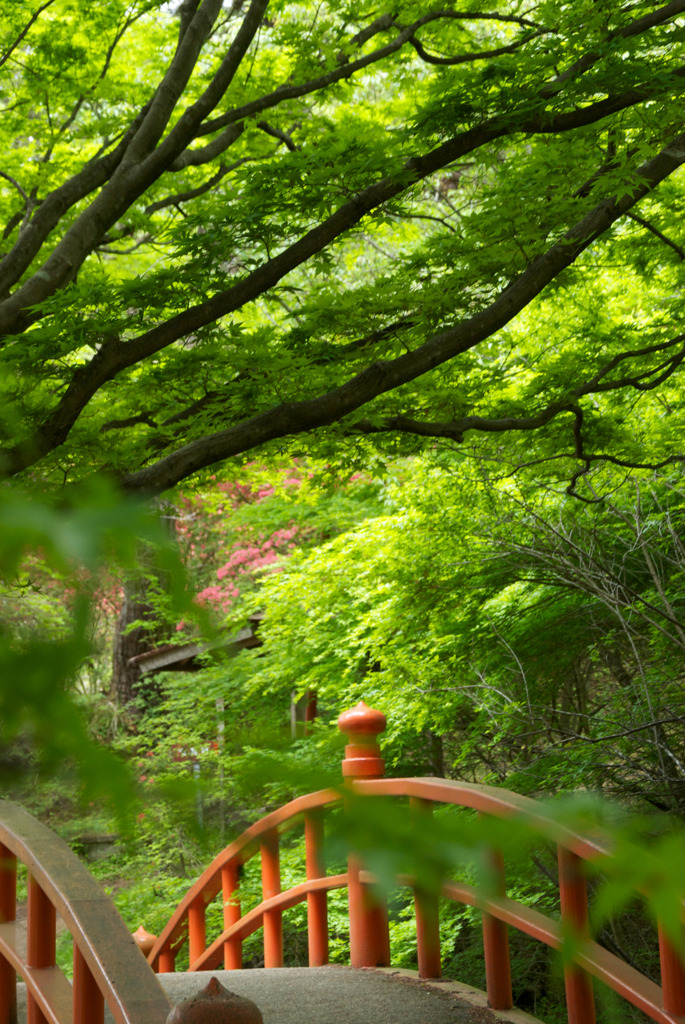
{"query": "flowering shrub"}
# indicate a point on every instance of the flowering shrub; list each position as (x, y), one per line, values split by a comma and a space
(244, 565)
(228, 536)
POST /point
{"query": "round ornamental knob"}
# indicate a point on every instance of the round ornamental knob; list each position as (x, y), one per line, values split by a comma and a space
(361, 720)
(361, 725)
(144, 940)
(215, 1005)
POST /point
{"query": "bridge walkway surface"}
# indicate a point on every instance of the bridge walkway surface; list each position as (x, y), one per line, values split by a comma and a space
(341, 995)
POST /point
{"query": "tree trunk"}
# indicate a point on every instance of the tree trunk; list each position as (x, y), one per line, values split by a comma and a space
(139, 606)
(128, 642)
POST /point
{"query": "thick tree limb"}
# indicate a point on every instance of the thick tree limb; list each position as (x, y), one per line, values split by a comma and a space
(376, 379)
(384, 376)
(130, 179)
(50, 211)
(115, 355)
(186, 129)
(146, 152)
(133, 173)
(192, 38)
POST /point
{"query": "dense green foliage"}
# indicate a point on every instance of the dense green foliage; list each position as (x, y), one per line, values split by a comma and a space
(511, 635)
(430, 260)
(307, 229)
(529, 639)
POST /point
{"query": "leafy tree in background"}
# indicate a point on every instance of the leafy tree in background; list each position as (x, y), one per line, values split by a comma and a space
(512, 634)
(269, 225)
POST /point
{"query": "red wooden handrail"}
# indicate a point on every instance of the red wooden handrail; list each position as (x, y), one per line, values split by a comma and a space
(108, 966)
(363, 769)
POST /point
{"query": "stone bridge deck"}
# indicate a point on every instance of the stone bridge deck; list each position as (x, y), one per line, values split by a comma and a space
(342, 995)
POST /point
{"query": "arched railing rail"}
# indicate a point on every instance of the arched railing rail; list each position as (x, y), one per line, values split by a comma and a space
(108, 966)
(187, 924)
(369, 942)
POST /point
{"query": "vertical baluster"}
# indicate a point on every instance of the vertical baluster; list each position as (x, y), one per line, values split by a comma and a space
(369, 934)
(362, 940)
(378, 927)
(167, 962)
(271, 886)
(317, 902)
(197, 933)
(672, 976)
(89, 1003)
(496, 946)
(233, 948)
(8, 912)
(40, 941)
(427, 915)
(580, 1001)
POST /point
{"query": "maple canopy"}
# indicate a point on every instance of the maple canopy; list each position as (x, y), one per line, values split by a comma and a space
(310, 227)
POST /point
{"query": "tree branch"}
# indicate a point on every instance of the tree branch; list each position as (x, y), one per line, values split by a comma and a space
(128, 182)
(124, 252)
(187, 127)
(129, 421)
(193, 193)
(384, 376)
(17, 186)
(133, 174)
(22, 35)
(469, 58)
(276, 133)
(192, 38)
(635, 28)
(659, 234)
(378, 378)
(49, 212)
(125, 174)
(455, 429)
(344, 71)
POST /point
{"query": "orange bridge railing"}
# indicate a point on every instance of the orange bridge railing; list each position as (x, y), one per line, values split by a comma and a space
(363, 769)
(108, 966)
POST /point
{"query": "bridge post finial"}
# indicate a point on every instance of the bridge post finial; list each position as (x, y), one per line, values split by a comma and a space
(369, 938)
(362, 724)
(144, 940)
